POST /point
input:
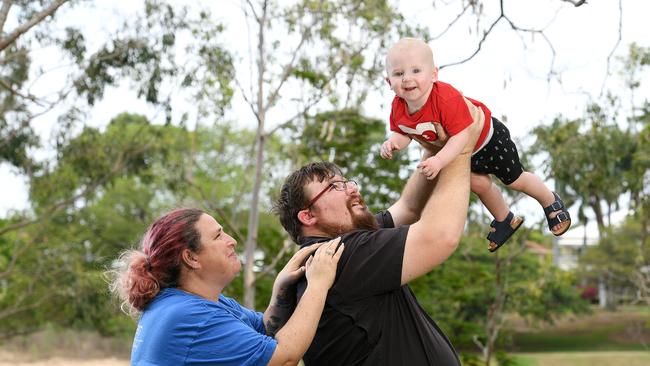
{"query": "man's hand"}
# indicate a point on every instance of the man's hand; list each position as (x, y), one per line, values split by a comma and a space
(475, 128)
(430, 167)
(435, 146)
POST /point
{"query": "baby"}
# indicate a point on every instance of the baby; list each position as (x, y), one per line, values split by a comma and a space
(421, 102)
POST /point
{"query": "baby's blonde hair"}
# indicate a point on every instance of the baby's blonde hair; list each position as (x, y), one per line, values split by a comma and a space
(409, 42)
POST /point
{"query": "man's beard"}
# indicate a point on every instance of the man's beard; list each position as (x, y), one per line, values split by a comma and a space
(360, 221)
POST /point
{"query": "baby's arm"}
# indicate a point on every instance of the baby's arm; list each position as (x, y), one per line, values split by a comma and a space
(395, 142)
(454, 146)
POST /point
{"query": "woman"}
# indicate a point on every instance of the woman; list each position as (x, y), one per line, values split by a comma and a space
(176, 281)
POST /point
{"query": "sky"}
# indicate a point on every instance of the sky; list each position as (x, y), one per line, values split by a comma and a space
(509, 74)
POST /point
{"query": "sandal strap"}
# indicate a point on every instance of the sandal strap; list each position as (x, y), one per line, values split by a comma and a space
(561, 217)
(502, 227)
(555, 206)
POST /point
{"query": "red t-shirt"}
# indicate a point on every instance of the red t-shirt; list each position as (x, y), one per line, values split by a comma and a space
(446, 106)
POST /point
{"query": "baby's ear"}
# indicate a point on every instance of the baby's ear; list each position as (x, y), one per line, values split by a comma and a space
(387, 80)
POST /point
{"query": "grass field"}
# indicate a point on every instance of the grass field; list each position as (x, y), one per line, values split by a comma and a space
(637, 358)
(625, 330)
(602, 338)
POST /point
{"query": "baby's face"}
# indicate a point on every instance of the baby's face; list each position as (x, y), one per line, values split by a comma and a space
(411, 72)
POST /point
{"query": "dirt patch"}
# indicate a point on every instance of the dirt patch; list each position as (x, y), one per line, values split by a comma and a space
(13, 359)
(64, 347)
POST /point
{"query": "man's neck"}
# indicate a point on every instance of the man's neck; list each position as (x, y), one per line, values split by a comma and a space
(307, 232)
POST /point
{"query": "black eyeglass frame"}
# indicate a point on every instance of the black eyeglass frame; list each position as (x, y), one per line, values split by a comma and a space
(328, 188)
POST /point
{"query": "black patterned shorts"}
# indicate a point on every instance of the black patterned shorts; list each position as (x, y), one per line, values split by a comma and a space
(499, 156)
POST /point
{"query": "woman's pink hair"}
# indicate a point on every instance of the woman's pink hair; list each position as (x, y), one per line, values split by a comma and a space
(140, 274)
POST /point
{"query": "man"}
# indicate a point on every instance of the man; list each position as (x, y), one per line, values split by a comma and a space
(371, 317)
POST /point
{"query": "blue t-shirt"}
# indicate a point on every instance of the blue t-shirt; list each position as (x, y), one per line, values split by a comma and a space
(179, 328)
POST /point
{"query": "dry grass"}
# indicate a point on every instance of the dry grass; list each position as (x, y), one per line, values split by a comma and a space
(65, 347)
(11, 359)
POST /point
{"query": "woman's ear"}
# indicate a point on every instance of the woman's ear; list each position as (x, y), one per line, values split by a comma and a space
(190, 259)
(306, 218)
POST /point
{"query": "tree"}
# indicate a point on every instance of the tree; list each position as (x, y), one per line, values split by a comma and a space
(589, 159)
(319, 47)
(597, 160)
(352, 141)
(472, 292)
(145, 52)
(64, 248)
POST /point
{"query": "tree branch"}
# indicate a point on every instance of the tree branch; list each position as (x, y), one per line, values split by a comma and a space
(15, 253)
(250, 5)
(286, 246)
(453, 21)
(11, 90)
(514, 27)
(6, 4)
(314, 100)
(117, 168)
(11, 37)
(478, 47)
(288, 68)
(618, 41)
(576, 3)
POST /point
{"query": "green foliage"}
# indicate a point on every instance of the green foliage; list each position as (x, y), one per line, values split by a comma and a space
(620, 259)
(589, 159)
(144, 52)
(136, 170)
(352, 141)
(474, 289)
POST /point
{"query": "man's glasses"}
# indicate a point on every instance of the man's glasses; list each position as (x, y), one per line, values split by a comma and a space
(338, 185)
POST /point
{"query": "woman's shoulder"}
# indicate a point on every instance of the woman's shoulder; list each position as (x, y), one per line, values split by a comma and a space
(179, 301)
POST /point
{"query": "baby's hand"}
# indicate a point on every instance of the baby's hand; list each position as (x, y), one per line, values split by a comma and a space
(387, 149)
(430, 167)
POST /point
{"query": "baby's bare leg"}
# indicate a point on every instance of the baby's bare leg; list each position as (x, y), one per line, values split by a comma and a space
(533, 186)
(490, 195)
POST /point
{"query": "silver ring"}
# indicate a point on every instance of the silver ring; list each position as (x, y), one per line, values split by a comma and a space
(329, 252)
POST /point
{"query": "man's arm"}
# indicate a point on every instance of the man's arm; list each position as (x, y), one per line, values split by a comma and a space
(416, 192)
(432, 239)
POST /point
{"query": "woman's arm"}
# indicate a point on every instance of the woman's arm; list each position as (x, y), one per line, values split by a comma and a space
(296, 335)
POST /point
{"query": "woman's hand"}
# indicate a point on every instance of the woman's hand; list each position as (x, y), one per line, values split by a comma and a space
(295, 268)
(321, 268)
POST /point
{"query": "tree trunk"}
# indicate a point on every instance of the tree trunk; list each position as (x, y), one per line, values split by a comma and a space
(260, 137)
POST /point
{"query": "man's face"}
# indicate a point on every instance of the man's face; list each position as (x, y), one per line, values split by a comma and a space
(339, 211)
(411, 73)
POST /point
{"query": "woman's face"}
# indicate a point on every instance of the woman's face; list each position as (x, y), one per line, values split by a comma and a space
(217, 254)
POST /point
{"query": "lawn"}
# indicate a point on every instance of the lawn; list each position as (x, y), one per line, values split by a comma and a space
(638, 358)
(625, 330)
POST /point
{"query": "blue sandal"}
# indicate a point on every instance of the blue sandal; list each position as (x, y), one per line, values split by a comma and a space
(562, 216)
(503, 230)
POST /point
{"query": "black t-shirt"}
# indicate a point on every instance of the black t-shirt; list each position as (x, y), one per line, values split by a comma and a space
(369, 318)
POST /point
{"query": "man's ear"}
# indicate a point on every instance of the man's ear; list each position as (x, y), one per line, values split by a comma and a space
(306, 218)
(388, 81)
(190, 259)
(434, 75)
